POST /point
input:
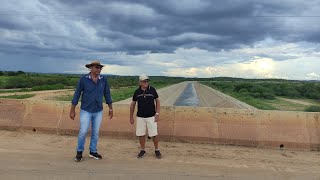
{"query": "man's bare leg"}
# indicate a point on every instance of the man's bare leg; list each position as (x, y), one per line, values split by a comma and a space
(142, 141)
(155, 142)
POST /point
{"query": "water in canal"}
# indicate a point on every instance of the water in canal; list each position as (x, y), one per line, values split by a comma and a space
(188, 97)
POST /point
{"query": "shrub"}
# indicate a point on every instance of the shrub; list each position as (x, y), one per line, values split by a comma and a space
(240, 86)
(48, 87)
(313, 109)
(243, 90)
(266, 95)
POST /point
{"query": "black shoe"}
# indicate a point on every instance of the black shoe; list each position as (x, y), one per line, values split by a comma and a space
(158, 154)
(95, 155)
(142, 153)
(78, 157)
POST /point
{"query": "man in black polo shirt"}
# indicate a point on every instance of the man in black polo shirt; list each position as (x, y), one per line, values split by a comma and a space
(147, 115)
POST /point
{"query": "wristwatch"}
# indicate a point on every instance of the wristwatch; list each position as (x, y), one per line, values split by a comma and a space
(157, 114)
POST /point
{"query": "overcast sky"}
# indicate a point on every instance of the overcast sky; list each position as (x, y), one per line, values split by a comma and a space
(190, 38)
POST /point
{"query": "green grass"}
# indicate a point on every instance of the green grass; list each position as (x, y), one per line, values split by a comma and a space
(263, 102)
(257, 103)
(13, 91)
(122, 93)
(313, 101)
(283, 105)
(22, 96)
(116, 94)
(3, 80)
(127, 92)
(267, 104)
(48, 87)
(64, 98)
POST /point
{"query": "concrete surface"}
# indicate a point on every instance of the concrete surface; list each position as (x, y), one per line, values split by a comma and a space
(256, 128)
(168, 95)
(206, 96)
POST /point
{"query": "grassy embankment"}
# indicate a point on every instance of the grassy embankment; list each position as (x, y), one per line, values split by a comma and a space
(272, 94)
(122, 87)
(267, 94)
(20, 96)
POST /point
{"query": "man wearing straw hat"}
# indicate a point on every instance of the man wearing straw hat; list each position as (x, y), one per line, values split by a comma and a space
(91, 87)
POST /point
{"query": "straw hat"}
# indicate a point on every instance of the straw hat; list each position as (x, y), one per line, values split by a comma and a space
(94, 63)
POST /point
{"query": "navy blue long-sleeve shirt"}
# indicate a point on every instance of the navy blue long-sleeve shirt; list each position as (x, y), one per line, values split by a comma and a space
(92, 93)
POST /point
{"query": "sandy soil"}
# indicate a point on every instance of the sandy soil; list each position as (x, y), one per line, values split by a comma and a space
(42, 156)
(297, 101)
(43, 95)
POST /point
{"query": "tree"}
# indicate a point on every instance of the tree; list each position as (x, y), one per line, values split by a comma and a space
(20, 72)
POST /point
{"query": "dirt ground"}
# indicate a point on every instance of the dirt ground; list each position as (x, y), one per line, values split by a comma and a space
(297, 101)
(43, 95)
(25, 155)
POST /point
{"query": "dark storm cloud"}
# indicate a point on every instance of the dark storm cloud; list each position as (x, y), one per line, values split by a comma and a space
(74, 29)
(244, 22)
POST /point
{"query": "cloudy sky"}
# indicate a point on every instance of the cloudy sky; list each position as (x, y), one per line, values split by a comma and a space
(190, 38)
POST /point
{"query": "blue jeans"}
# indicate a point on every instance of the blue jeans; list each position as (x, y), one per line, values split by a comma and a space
(85, 119)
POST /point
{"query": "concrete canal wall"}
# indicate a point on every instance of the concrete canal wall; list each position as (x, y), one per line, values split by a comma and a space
(230, 126)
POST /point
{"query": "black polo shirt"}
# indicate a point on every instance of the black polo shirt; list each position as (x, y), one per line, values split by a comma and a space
(146, 106)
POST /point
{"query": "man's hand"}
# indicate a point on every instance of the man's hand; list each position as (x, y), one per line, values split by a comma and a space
(72, 114)
(131, 120)
(110, 113)
(156, 118)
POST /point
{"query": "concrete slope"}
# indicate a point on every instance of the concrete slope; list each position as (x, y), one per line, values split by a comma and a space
(209, 97)
(168, 95)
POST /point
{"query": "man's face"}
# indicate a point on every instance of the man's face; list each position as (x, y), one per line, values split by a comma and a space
(96, 69)
(144, 83)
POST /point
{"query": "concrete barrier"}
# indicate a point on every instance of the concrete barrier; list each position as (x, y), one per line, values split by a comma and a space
(11, 113)
(42, 116)
(193, 124)
(119, 125)
(244, 127)
(313, 127)
(283, 129)
(166, 124)
(237, 127)
(67, 126)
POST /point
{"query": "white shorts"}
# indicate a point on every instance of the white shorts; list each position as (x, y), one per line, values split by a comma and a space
(146, 123)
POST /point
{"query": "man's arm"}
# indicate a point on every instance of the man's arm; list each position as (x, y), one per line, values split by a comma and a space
(107, 97)
(158, 105)
(132, 107)
(157, 109)
(77, 92)
(72, 112)
(107, 94)
(156, 96)
(110, 111)
(75, 99)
